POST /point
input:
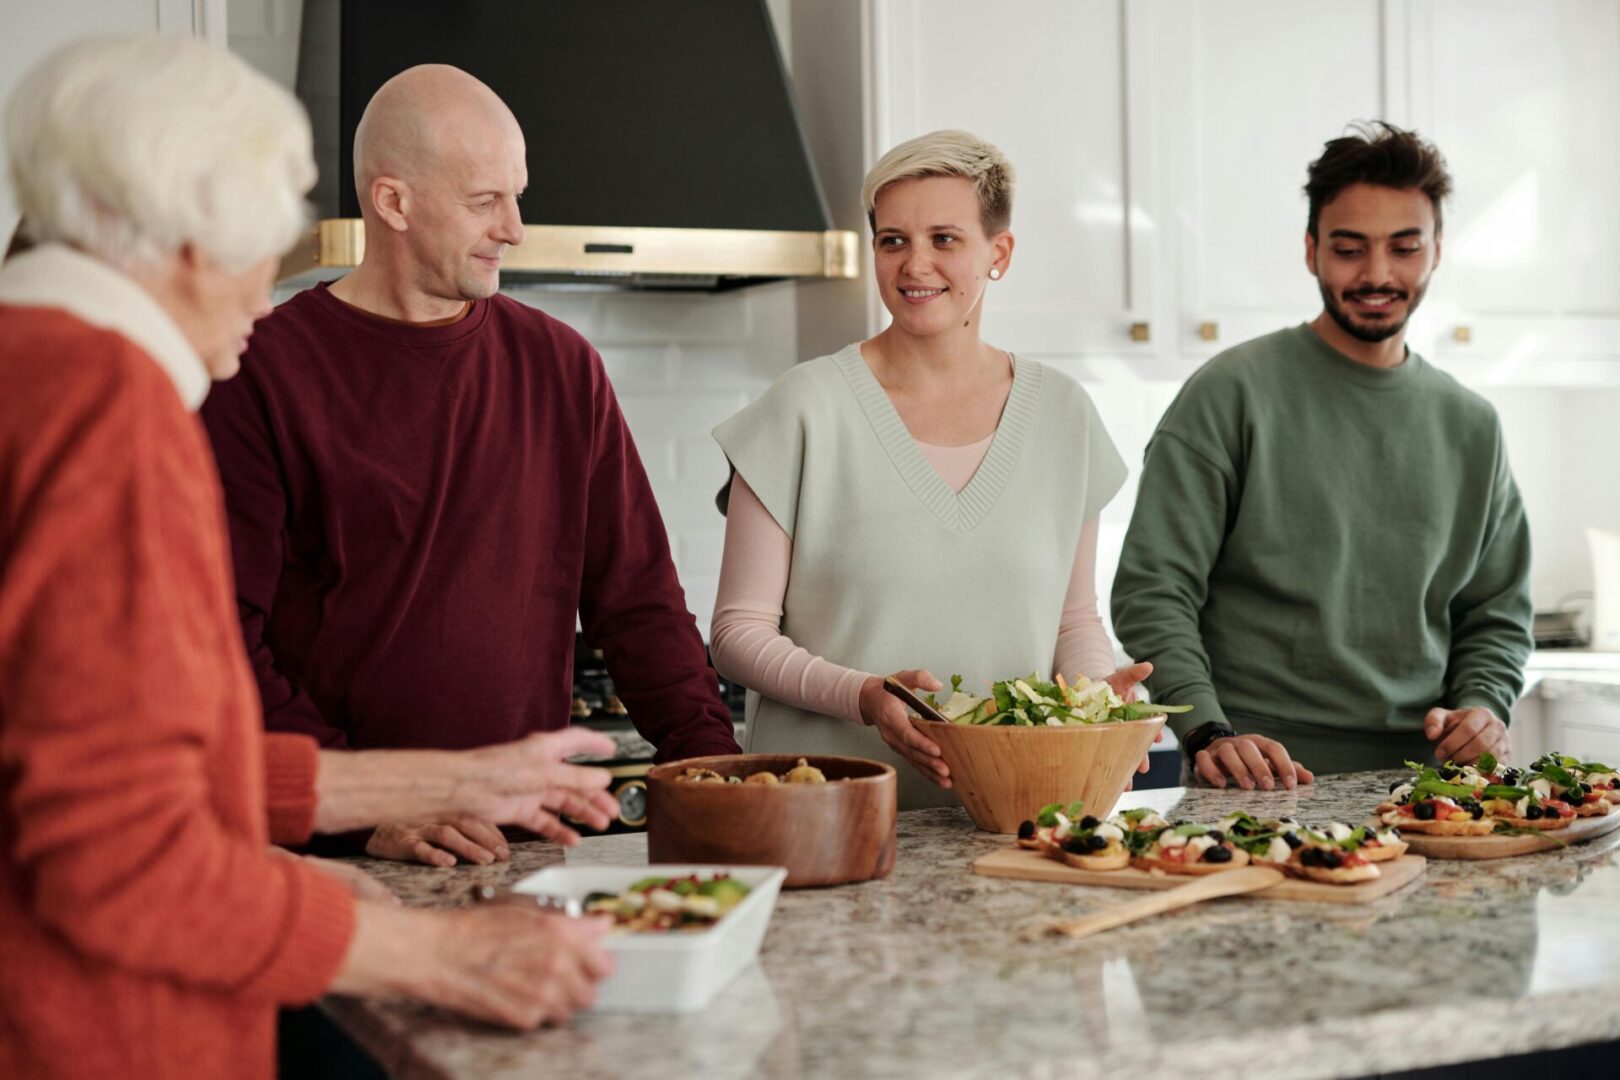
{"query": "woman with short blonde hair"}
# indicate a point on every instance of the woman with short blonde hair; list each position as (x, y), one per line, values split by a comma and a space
(919, 503)
(148, 929)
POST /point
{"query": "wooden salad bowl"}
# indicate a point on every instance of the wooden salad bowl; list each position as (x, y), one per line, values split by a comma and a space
(1003, 775)
(824, 834)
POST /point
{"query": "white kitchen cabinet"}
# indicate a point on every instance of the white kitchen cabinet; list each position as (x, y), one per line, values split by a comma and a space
(33, 31)
(1250, 91)
(1162, 145)
(1524, 99)
(1583, 728)
(1054, 84)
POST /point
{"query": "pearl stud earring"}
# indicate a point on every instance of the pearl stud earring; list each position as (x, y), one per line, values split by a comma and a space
(995, 274)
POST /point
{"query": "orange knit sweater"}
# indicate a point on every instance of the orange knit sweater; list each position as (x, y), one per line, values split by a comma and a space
(146, 928)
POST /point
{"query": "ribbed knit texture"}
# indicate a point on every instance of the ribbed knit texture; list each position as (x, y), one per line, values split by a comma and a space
(891, 568)
(146, 929)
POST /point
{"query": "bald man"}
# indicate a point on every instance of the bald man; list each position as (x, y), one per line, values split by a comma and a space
(427, 481)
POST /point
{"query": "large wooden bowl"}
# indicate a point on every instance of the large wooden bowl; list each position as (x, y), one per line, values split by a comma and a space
(1003, 775)
(825, 834)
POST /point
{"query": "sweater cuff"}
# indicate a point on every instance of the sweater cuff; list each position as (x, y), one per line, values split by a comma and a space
(705, 745)
(290, 762)
(1205, 709)
(319, 927)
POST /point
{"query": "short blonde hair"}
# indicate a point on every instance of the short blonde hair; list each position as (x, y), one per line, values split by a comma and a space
(128, 146)
(948, 153)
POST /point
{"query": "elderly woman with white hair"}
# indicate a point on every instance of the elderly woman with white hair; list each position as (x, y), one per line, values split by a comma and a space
(921, 503)
(147, 926)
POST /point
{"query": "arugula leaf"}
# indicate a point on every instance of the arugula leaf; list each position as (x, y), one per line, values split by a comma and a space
(956, 683)
(1048, 815)
(1486, 762)
(1427, 788)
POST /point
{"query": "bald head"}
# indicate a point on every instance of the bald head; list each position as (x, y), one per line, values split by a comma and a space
(422, 117)
(439, 164)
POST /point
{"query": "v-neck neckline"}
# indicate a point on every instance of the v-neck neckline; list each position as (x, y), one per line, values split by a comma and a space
(959, 510)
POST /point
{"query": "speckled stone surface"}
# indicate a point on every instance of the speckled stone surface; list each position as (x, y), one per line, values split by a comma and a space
(925, 973)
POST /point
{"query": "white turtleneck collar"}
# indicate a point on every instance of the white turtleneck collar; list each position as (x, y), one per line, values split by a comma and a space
(54, 275)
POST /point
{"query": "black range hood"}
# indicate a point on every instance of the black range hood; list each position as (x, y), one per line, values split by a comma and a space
(664, 148)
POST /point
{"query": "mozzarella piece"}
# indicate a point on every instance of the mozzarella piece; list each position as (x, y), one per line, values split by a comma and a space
(1109, 831)
(1338, 830)
(1520, 807)
(1277, 851)
(1172, 840)
(1400, 793)
(1542, 787)
(1197, 846)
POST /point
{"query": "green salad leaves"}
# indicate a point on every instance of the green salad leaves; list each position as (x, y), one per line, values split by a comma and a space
(1031, 702)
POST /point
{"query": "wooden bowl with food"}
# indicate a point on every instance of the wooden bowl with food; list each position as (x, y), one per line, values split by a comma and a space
(1030, 743)
(827, 820)
(1004, 774)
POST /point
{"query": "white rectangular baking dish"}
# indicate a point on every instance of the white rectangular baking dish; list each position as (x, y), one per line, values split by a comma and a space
(670, 972)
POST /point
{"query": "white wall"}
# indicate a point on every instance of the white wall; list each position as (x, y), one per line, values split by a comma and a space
(32, 29)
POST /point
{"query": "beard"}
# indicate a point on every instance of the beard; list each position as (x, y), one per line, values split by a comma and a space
(1369, 331)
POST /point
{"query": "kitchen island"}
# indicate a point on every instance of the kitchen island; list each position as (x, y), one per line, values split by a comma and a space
(925, 973)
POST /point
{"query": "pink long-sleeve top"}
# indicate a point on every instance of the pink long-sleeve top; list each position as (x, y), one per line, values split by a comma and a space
(746, 634)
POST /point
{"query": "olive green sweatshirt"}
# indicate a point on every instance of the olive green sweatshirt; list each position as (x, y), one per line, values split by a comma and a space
(1322, 551)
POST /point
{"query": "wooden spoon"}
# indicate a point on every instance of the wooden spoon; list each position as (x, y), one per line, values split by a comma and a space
(1245, 879)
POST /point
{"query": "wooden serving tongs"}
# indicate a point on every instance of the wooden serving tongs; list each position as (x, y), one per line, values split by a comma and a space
(1246, 879)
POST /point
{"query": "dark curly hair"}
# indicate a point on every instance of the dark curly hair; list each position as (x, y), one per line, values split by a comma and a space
(1377, 153)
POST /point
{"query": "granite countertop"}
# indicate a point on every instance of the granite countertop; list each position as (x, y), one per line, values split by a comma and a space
(925, 972)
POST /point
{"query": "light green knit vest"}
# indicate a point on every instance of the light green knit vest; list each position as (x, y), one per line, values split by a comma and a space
(891, 568)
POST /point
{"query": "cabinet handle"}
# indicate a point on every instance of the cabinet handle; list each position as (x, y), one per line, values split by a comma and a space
(1141, 331)
(1209, 331)
(1462, 335)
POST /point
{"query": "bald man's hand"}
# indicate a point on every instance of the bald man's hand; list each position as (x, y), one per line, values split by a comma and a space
(440, 843)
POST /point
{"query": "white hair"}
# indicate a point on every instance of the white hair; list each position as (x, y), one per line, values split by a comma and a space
(130, 146)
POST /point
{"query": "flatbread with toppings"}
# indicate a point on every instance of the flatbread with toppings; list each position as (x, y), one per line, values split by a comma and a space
(1190, 849)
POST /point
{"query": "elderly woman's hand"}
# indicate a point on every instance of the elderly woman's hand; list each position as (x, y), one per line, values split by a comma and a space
(892, 719)
(499, 963)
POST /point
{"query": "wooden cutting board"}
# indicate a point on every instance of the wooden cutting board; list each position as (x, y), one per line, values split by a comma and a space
(1502, 847)
(1026, 865)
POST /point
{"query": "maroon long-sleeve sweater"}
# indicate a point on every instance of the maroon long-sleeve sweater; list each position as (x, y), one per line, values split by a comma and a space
(416, 515)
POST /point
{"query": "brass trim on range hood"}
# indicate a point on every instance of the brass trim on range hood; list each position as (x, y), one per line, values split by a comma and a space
(611, 253)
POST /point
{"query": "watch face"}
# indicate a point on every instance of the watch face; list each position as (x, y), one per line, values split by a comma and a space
(633, 803)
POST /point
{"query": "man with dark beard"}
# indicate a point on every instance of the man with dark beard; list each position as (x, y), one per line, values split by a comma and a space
(1328, 558)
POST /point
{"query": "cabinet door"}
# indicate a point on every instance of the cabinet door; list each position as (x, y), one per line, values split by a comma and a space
(1252, 89)
(1046, 81)
(33, 31)
(1524, 101)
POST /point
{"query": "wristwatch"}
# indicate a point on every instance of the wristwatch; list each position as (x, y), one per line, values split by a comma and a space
(1201, 736)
